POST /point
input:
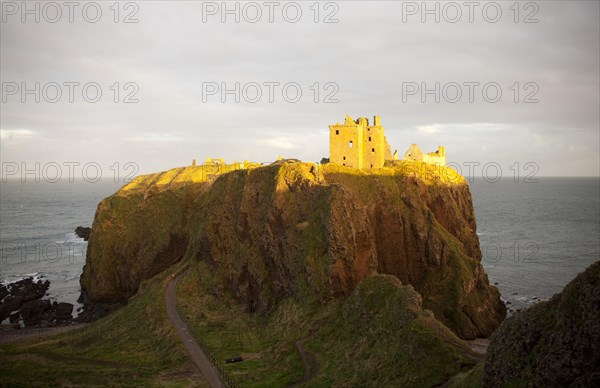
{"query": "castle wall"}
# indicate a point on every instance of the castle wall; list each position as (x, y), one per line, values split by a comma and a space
(415, 153)
(369, 146)
(374, 147)
(346, 145)
(434, 158)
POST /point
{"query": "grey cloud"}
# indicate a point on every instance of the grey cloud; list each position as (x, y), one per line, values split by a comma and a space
(370, 53)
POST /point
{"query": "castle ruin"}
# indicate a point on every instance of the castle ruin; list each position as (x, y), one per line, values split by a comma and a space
(359, 145)
(362, 146)
(415, 153)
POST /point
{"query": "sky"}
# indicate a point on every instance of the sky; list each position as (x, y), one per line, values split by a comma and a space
(114, 89)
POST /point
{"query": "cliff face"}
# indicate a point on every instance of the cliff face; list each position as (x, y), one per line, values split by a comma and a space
(299, 230)
(554, 343)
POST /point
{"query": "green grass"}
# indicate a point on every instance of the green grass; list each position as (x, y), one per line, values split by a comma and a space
(266, 342)
(135, 346)
(470, 379)
(381, 337)
(378, 336)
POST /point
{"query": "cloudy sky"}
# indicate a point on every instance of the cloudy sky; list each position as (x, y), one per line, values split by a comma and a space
(514, 84)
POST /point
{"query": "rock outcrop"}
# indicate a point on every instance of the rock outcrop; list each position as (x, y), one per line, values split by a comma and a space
(16, 294)
(554, 343)
(83, 232)
(300, 230)
(21, 300)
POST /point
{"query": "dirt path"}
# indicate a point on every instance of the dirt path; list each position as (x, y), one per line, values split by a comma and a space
(196, 354)
(479, 345)
(8, 334)
(311, 366)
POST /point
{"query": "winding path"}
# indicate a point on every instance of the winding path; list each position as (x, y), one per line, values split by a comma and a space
(197, 355)
(311, 366)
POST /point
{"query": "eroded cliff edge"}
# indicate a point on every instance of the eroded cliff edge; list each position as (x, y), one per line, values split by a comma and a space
(292, 229)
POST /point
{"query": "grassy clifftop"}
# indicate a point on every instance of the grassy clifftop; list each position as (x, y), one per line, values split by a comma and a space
(298, 230)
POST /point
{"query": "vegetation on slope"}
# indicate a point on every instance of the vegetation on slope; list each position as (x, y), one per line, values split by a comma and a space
(134, 346)
(381, 337)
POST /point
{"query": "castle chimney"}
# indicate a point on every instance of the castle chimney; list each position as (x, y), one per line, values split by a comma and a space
(377, 121)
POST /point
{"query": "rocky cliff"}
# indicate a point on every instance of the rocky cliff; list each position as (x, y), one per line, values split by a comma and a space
(552, 344)
(292, 229)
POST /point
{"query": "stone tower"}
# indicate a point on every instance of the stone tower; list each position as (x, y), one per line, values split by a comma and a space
(359, 145)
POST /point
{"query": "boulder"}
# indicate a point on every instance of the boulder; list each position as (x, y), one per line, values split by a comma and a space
(83, 232)
(63, 313)
(36, 311)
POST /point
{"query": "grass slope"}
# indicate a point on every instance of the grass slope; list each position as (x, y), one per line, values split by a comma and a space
(382, 337)
(135, 346)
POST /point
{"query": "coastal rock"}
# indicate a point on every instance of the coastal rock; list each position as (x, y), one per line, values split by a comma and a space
(42, 312)
(95, 311)
(299, 230)
(83, 232)
(3, 291)
(36, 311)
(553, 343)
(63, 313)
(19, 293)
(14, 318)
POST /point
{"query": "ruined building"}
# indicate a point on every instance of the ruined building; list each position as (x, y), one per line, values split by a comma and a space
(360, 145)
(438, 157)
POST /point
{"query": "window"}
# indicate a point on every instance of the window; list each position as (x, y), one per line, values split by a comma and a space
(350, 144)
(371, 166)
(344, 158)
(337, 131)
(373, 150)
(369, 138)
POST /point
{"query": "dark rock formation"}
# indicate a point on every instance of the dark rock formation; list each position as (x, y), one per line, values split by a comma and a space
(554, 343)
(18, 293)
(3, 291)
(42, 312)
(14, 318)
(94, 311)
(36, 311)
(83, 232)
(63, 313)
(298, 230)
(22, 300)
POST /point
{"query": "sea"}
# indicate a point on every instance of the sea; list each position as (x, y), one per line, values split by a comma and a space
(535, 236)
(37, 238)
